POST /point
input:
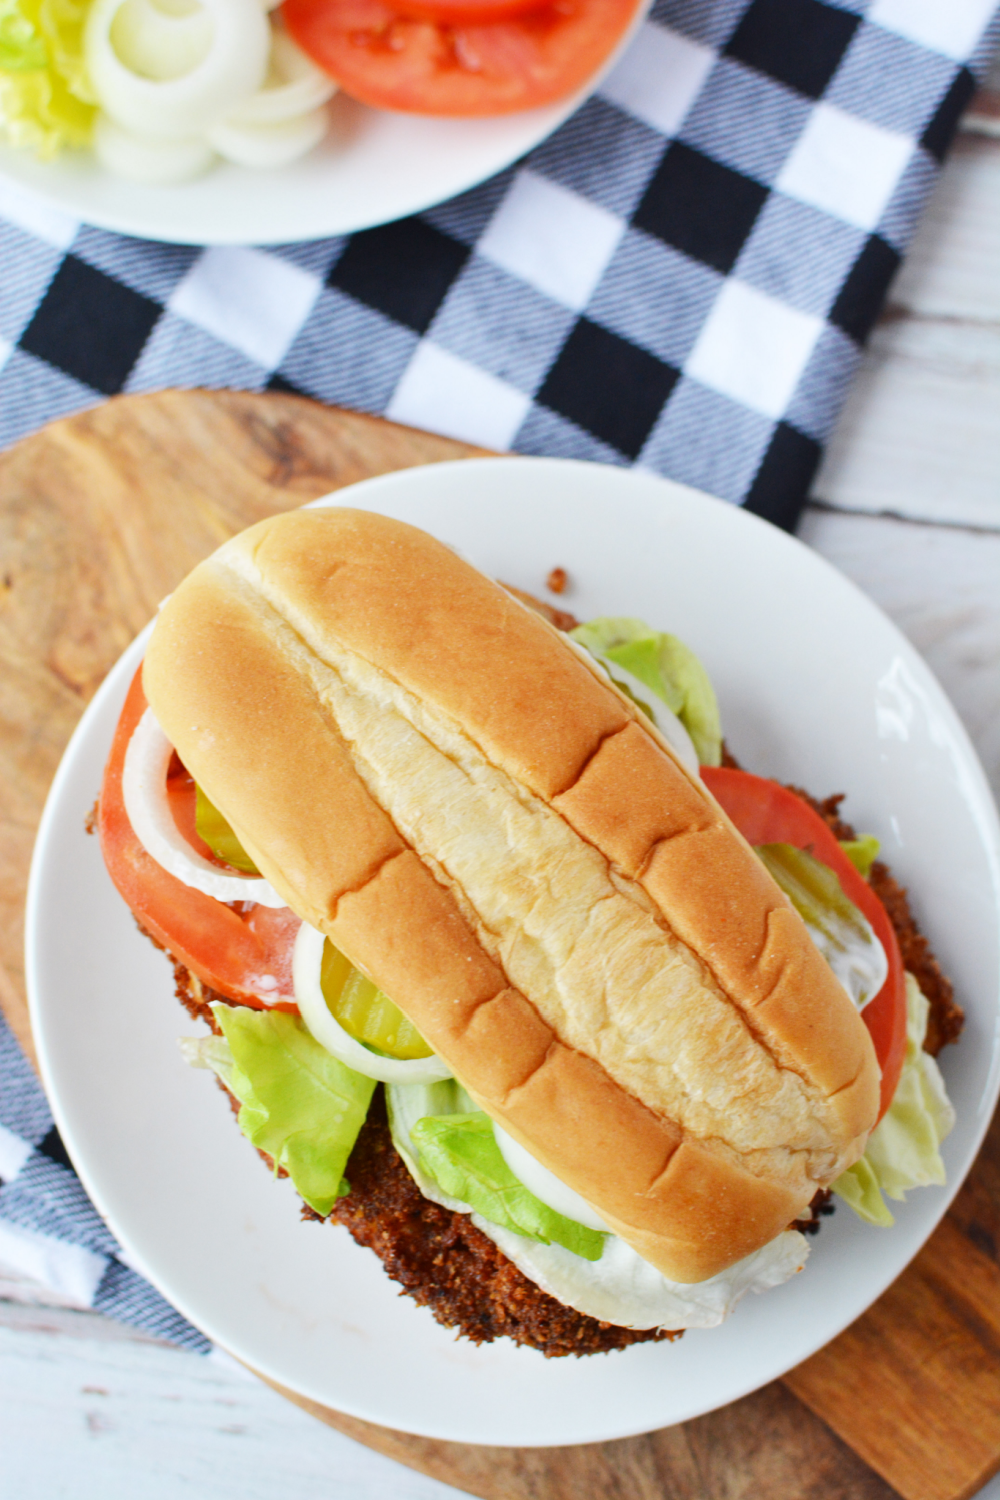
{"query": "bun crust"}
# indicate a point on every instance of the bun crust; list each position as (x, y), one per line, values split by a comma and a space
(431, 775)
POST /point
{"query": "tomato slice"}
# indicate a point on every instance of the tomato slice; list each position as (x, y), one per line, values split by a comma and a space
(183, 799)
(230, 951)
(767, 813)
(457, 12)
(458, 57)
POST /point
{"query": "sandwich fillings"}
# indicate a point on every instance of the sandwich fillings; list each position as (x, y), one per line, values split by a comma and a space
(526, 859)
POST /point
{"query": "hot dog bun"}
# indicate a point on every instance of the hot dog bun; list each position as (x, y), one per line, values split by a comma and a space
(431, 775)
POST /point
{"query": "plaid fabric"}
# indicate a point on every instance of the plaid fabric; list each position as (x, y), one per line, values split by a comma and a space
(681, 277)
(50, 1230)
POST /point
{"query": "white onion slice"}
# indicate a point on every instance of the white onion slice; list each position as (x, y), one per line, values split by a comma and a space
(161, 39)
(143, 159)
(665, 719)
(232, 70)
(269, 145)
(144, 789)
(545, 1185)
(307, 960)
(293, 86)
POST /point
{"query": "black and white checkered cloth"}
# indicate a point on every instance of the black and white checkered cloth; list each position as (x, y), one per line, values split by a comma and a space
(50, 1230)
(681, 277)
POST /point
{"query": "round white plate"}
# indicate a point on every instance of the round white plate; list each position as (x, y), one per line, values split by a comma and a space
(815, 685)
(372, 167)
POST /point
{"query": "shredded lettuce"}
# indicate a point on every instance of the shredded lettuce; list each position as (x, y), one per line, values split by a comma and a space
(668, 668)
(299, 1104)
(902, 1151)
(460, 1152)
(862, 852)
(46, 101)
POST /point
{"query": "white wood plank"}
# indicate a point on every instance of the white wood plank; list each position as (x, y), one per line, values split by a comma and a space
(952, 269)
(57, 1321)
(983, 114)
(109, 1418)
(920, 431)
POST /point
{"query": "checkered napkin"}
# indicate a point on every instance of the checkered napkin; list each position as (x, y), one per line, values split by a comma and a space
(50, 1230)
(681, 277)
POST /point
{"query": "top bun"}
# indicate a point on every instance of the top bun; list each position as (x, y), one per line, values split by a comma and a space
(432, 775)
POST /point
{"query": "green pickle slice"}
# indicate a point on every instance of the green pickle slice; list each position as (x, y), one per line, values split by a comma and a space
(213, 830)
(365, 1013)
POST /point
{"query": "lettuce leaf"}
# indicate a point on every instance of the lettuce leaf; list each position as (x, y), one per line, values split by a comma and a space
(621, 1287)
(299, 1104)
(859, 1188)
(862, 852)
(668, 668)
(46, 101)
(902, 1151)
(460, 1152)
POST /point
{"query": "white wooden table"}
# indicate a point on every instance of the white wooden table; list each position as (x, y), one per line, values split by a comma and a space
(908, 505)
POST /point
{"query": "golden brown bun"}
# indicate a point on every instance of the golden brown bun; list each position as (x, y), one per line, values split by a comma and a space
(431, 775)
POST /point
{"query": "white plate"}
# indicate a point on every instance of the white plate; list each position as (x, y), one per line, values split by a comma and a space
(815, 685)
(372, 167)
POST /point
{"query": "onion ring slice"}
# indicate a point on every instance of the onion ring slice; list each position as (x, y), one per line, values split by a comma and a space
(307, 959)
(268, 146)
(664, 718)
(232, 71)
(546, 1186)
(294, 86)
(144, 789)
(149, 159)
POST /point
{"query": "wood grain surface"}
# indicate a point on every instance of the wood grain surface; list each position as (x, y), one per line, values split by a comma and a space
(100, 516)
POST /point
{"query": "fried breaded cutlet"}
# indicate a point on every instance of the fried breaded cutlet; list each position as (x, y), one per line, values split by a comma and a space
(445, 1263)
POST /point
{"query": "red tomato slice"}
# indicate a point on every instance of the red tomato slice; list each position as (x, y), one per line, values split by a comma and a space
(457, 12)
(229, 951)
(184, 808)
(458, 57)
(767, 813)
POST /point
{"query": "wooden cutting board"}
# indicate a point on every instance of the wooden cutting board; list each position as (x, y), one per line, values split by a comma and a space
(101, 514)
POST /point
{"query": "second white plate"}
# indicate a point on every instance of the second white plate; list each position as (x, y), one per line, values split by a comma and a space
(373, 166)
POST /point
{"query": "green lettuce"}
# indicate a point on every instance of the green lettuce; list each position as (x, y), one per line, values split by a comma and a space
(668, 668)
(46, 101)
(862, 852)
(299, 1104)
(461, 1154)
(902, 1151)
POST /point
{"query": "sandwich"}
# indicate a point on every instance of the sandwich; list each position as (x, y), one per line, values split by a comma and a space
(574, 1025)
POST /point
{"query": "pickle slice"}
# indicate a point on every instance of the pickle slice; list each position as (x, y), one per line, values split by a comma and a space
(840, 931)
(862, 852)
(219, 836)
(365, 1013)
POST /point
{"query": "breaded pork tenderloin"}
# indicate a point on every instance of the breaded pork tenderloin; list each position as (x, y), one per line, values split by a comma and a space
(431, 774)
